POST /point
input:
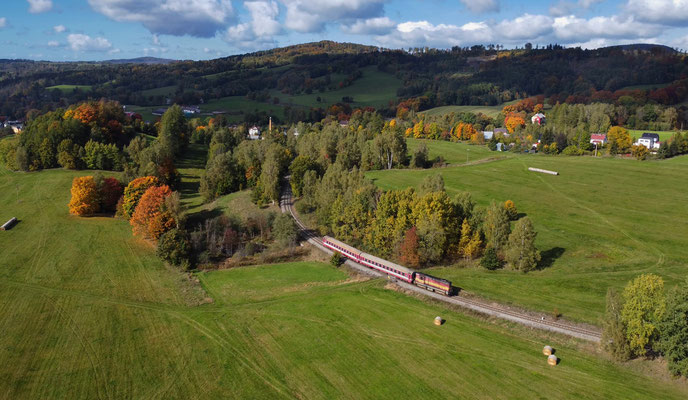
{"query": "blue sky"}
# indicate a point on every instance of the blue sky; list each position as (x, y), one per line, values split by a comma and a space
(203, 29)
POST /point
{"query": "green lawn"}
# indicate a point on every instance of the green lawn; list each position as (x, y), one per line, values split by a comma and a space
(375, 88)
(663, 135)
(88, 311)
(161, 91)
(600, 223)
(69, 88)
(237, 106)
(454, 153)
(490, 111)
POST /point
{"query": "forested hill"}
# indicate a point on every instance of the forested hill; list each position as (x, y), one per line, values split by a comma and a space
(299, 80)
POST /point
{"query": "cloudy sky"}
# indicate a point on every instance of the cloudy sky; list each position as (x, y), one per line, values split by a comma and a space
(203, 29)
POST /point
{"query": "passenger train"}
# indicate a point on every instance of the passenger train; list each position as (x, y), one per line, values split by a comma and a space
(389, 268)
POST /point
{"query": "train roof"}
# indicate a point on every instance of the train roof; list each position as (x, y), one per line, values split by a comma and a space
(388, 263)
(342, 244)
(435, 278)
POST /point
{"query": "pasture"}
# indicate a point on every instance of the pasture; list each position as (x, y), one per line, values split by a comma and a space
(237, 106)
(88, 311)
(70, 88)
(663, 135)
(490, 111)
(374, 88)
(600, 223)
(454, 153)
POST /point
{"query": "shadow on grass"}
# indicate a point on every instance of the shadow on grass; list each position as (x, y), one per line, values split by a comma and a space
(550, 256)
(197, 218)
(189, 187)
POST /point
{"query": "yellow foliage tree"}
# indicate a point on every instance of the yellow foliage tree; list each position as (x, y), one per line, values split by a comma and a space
(465, 237)
(618, 140)
(85, 199)
(474, 247)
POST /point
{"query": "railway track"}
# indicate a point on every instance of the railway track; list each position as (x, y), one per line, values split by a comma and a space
(491, 309)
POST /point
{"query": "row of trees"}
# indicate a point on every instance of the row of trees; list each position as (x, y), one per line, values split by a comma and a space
(644, 320)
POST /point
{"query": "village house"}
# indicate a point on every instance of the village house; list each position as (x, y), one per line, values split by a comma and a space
(599, 139)
(538, 118)
(649, 140)
(254, 133)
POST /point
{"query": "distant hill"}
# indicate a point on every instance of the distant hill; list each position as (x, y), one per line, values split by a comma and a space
(140, 60)
(645, 47)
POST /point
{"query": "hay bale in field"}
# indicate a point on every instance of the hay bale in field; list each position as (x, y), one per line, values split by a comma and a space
(543, 171)
(552, 360)
(7, 225)
(438, 321)
(548, 350)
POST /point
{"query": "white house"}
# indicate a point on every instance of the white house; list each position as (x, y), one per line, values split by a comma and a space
(254, 133)
(649, 140)
(488, 135)
(538, 118)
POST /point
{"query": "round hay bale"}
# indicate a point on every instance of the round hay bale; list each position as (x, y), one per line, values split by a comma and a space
(552, 360)
(548, 350)
(438, 321)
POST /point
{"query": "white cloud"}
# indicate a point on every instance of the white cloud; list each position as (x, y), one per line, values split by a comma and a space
(156, 40)
(571, 28)
(54, 43)
(81, 42)
(371, 26)
(424, 33)
(525, 27)
(666, 12)
(565, 7)
(312, 15)
(259, 31)
(481, 6)
(40, 6)
(200, 18)
(3, 22)
(59, 28)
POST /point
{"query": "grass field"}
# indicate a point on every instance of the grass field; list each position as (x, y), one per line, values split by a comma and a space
(454, 153)
(600, 223)
(663, 135)
(88, 311)
(161, 91)
(236, 106)
(69, 88)
(490, 111)
(374, 88)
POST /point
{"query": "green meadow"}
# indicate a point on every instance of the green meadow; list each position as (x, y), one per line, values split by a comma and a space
(69, 88)
(600, 223)
(88, 311)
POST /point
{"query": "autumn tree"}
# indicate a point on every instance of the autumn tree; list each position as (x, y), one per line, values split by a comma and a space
(474, 246)
(85, 198)
(640, 152)
(643, 310)
(133, 192)
(110, 192)
(511, 211)
(614, 337)
(618, 140)
(409, 248)
(521, 252)
(514, 122)
(496, 226)
(151, 218)
(465, 237)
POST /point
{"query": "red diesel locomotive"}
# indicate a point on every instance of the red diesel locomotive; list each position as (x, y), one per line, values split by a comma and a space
(396, 271)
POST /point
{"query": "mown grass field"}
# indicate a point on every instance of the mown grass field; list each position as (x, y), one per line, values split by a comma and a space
(374, 88)
(69, 88)
(600, 223)
(663, 135)
(454, 153)
(490, 111)
(88, 311)
(237, 106)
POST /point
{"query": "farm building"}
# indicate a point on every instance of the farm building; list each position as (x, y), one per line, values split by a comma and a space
(501, 131)
(649, 140)
(254, 133)
(538, 118)
(599, 139)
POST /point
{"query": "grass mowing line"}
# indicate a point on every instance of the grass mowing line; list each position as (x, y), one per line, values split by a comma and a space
(661, 254)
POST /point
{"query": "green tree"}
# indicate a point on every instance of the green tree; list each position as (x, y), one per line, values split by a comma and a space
(173, 130)
(430, 184)
(433, 241)
(614, 338)
(298, 169)
(490, 260)
(496, 226)
(390, 147)
(47, 154)
(673, 328)
(284, 230)
(521, 252)
(643, 309)
(222, 176)
(174, 246)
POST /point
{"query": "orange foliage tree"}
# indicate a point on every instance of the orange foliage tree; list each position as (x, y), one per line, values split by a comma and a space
(133, 192)
(409, 248)
(514, 121)
(85, 199)
(464, 131)
(85, 113)
(151, 218)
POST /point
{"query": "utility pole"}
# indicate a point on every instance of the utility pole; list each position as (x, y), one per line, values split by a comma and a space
(270, 125)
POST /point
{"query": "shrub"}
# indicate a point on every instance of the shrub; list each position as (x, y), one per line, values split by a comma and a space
(674, 332)
(572, 151)
(285, 231)
(110, 193)
(643, 309)
(490, 260)
(133, 192)
(511, 211)
(521, 252)
(337, 259)
(614, 331)
(85, 198)
(175, 248)
(640, 152)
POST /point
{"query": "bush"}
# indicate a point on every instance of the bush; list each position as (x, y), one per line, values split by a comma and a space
(490, 260)
(85, 198)
(133, 192)
(572, 151)
(151, 218)
(337, 259)
(175, 248)
(285, 231)
(640, 152)
(511, 211)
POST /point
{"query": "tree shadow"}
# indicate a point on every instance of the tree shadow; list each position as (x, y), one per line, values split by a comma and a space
(189, 187)
(550, 256)
(521, 215)
(197, 218)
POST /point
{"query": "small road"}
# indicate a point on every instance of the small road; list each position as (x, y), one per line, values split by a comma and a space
(491, 309)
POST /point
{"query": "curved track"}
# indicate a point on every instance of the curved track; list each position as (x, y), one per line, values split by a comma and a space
(495, 310)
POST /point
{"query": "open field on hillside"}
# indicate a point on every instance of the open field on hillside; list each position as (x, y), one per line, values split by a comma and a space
(490, 111)
(453, 153)
(374, 88)
(161, 91)
(69, 88)
(600, 223)
(237, 106)
(88, 311)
